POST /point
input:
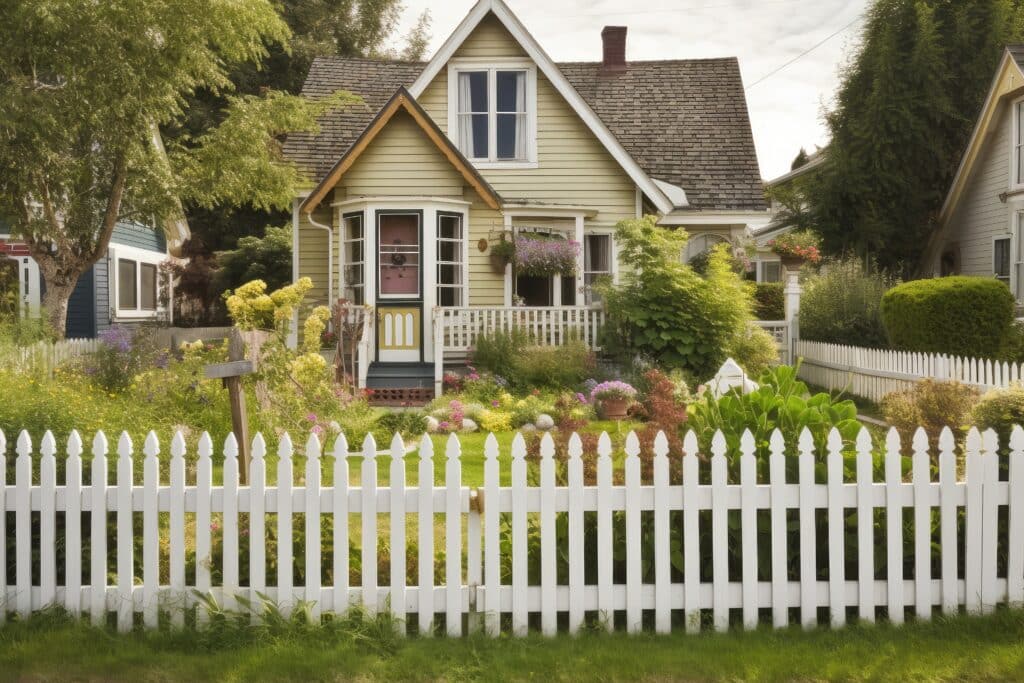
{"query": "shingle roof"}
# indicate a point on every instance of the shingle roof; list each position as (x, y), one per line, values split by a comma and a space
(684, 121)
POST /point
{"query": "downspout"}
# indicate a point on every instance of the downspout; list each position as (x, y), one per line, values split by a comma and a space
(330, 256)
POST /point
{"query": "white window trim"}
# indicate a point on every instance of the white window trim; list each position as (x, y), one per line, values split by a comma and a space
(1015, 182)
(463, 264)
(759, 264)
(1016, 235)
(491, 66)
(613, 257)
(120, 251)
(995, 274)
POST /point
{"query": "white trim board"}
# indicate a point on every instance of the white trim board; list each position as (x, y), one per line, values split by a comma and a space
(553, 74)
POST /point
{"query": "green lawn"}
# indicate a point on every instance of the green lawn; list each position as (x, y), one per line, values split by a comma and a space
(964, 649)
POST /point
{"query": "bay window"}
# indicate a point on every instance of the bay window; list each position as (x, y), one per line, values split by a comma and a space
(353, 244)
(492, 117)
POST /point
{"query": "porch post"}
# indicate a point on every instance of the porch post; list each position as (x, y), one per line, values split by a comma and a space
(579, 260)
(438, 314)
(508, 266)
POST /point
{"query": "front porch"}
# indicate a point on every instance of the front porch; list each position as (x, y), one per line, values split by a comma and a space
(452, 335)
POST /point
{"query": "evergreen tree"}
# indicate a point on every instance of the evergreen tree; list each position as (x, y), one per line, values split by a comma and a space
(903, 114)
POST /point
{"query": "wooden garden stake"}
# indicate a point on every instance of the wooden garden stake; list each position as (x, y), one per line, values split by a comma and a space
(231, 374)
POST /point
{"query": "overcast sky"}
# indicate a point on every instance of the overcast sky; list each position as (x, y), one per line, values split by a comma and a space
(785, 109)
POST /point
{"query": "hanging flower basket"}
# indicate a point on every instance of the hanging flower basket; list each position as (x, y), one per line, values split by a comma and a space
(796, 248)
(541, 255)
(501, 255)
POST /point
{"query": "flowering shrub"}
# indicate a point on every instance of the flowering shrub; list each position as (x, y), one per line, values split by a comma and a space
(122, 354)
(613, 389)
(541, 256)
(802, 244)
(495, 421)
(251, 308)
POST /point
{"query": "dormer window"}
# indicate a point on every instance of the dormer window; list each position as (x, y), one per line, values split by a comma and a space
(492, 113)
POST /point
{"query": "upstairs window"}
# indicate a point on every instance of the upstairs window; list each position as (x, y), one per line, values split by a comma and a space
(1018, 143)
(493, 119)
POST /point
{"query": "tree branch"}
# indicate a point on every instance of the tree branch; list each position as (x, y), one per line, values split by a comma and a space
(113, 208)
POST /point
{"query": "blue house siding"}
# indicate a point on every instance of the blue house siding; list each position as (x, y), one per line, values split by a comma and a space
(81, 309)
(127, 234)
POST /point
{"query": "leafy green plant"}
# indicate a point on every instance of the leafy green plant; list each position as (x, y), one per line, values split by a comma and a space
(497, 351)
(553, 367)
(1000, 410)
(754, 349)
(841, 304)
(408, 423)
(665, 310)
(960, 316)
(932, 405)
(781, 402)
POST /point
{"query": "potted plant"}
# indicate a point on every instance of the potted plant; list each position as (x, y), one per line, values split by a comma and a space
(544, 255)
(502, 253)
(796, 248)
(614, 398)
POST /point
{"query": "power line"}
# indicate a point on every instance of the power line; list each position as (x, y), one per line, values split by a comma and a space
(803, 54)
(675, 10)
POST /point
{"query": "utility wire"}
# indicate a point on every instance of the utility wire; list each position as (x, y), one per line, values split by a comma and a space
(803, 54)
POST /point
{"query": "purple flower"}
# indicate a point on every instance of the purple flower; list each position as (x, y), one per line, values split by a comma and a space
(612, 389)
(581, 398)
(495, 404)
(318, 430)
(537, 255)
(117, 338)
(311, 417)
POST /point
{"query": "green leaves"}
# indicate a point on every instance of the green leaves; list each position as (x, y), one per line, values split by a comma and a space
(239, 161)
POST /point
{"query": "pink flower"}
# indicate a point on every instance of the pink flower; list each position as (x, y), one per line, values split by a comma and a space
(495, 404)
(311, 417)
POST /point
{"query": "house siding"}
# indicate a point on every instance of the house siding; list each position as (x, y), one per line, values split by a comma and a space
(573, 167)
(313, 250)
(981, 216)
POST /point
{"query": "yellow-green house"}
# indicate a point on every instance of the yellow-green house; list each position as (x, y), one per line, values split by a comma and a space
(491, 142)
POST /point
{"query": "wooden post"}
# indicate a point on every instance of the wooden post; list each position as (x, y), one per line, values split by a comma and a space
(231, 374)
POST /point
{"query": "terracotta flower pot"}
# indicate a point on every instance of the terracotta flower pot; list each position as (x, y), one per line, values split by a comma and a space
(614, 408)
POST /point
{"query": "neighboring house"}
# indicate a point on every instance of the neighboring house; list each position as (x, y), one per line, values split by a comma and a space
(123, 287)
(981, 225)
(767, 264)
(492, 138)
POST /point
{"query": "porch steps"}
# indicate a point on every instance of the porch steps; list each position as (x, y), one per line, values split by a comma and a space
(400, 383)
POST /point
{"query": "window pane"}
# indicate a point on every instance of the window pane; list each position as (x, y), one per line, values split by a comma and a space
(597, 253)
(354, 227)
(473, 91)
(449, 274)
(399, 255)
(448, 251)
(511, 86)
(449, 296)
(772, 271)
(1001, 258)
(450, 227)
(147, 271)
(568, 290)
(510, 134)
(127, 287)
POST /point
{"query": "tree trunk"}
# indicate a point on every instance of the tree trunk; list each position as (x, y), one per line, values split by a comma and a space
(55, 305)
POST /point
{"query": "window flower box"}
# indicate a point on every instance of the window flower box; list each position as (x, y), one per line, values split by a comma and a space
(542, 255)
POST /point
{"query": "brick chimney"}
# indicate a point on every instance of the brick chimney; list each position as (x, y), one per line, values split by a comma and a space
(614, 41)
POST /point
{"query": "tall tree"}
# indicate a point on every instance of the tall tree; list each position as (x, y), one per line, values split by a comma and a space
(84, 88)
(349, 28)
(902, 117)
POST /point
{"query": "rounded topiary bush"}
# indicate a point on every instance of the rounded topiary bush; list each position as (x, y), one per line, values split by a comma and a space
(1000, 409)
(960, 316)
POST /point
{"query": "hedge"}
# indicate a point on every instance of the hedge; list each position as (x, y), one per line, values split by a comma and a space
(769, 301)
(960, 316)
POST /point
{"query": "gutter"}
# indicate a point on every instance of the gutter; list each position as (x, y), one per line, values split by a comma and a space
(330, 256)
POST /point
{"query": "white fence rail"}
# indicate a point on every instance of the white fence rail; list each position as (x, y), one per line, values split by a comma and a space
(549, 326)
(873, 373)
(522, 556)
(45, 356)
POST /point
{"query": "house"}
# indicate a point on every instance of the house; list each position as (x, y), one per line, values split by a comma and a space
(980, 227)
(489, 141)
(124, 287)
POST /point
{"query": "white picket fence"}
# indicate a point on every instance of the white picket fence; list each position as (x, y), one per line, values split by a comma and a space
(873, 373)
(45, 356)
(473, 585)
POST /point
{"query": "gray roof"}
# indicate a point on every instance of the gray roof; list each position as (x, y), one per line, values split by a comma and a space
(1017, 52)
(684, 121)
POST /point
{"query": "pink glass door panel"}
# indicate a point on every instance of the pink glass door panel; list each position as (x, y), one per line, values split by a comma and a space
(398, 255)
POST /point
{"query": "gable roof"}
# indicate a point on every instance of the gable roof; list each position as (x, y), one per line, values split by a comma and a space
(683, 122)
(402, 100)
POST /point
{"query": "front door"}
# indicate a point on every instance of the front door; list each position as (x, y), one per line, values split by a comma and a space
(399, 286)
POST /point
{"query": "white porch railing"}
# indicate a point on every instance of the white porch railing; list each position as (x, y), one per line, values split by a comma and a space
(456, 329)
(779, 330)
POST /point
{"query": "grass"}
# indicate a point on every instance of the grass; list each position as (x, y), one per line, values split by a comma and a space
(54, 648)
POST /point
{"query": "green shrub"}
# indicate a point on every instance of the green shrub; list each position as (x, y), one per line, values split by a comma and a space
(555, 367)
(781, 402)
(932, 405)
(405, 422)
(960, 316)
(1012, 348)
(841, 305)
(755, 350)
(497, 351)
(665, 310)
(769, 301)
(1000, 410)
